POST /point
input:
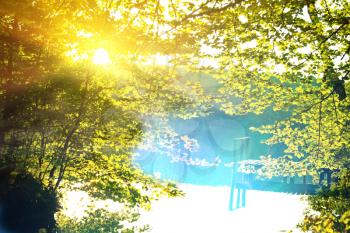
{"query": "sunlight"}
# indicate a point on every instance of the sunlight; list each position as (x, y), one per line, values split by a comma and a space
(157, 60)
(75, 55)
(101, 57)
(75, 204)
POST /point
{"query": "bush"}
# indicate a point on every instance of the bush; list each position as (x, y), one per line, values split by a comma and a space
(102, 221)
(330, 209)
(28, 206)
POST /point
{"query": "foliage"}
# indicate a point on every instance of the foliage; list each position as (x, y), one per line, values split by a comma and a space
(76, 121)
(63, 118)
(332, 206)
(102, 221)
(292, 56)
(66, 120)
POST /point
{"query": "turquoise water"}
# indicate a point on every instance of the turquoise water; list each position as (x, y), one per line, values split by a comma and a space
(222, 139)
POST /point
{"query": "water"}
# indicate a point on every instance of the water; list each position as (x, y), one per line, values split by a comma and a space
(222, 140)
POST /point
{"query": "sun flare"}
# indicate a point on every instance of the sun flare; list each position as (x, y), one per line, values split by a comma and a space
(101, 57)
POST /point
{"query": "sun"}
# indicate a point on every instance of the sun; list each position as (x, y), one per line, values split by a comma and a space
(101, 57)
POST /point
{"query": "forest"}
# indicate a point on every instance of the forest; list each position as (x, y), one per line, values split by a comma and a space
(83, 82)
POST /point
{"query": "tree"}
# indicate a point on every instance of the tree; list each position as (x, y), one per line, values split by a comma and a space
(289, 56)
(65, 120)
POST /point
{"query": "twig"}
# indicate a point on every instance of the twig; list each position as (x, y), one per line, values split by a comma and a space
(319, 127)
(313, 105)
(335, 109)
